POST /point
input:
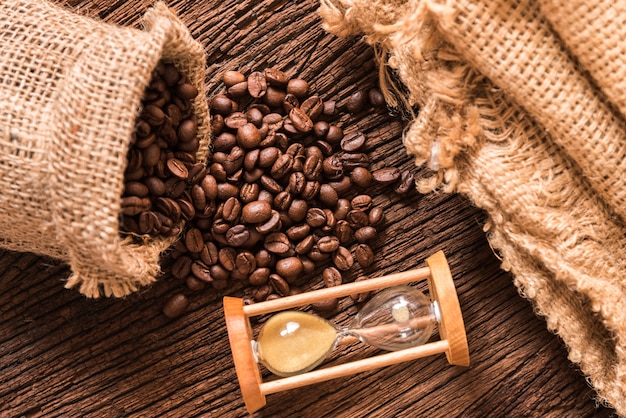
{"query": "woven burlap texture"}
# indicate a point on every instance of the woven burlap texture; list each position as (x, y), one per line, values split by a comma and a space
(70, 90)
(522, 109)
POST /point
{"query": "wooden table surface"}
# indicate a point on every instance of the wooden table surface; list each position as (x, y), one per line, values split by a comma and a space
(64, 355)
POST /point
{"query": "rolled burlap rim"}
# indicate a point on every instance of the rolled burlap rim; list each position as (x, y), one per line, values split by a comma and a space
(65, 128)
(546, 166)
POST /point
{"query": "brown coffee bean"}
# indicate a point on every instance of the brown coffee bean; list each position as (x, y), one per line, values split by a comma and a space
(237, 235)
(245, 263)
(133, 205)
(198, 197)
(201, 271)
(274, 96)
(249, 192)
(193, 240)
(332, 167)
(256, 212)
(301, 121)
(136, 188)
(235, 120)
(376, 216)
(277, 243)
(251, 159)
(316, 255)
(311, 190)
(328, 195)
(217, 124)
(264, 258)
(187, 130)
(274, 121)
(361, 176)
(305, 246)
(365, 234)
(148, 222)
(226, 190)
(257, 84)
(209, 185)
(298, 232)
(260, 293)
(248, 136)
(342, 259)
(289, 267)
(386, 175)
(194, 283)
(230, 78)
(259, 276)
(255, 116)
(234, 160)
(313, 107)
(182, 267)
(298, 87)
(150, 156)
(209, 254)
(282, 166)
(272, 224)
(227, 257)
(231, 209)
(297, 181)
(279, 284)
(357, 219)
(186, 91)
(313, 166)
(343, 232)
(321, 128)
(175, 305)
(153, 115)
(326, 306)
(155, 185)
(353, 141)
(406, 183)
(218, 272)
(298, 210)
(362, 202)
(253, 175)
(221, 104)
(275, 77)
(308, 266)
(332, 277)
(343, 186)
(328, 244)
(357, 101)
(224, 142)
(238, 90)
(267, 156)
(177, 168)
(352, 160)
(376, 98)
(364, 255)
(315, 217)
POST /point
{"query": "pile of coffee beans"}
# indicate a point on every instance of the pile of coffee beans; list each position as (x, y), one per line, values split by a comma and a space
(161, 158)
(283, 195)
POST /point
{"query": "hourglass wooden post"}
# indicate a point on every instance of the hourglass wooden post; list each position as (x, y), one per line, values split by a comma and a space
(453, 340)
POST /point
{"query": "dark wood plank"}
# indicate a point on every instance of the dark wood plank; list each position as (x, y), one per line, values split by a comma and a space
(63, 355)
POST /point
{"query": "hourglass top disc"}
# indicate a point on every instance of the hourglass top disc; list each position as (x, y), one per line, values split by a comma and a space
(293, 342)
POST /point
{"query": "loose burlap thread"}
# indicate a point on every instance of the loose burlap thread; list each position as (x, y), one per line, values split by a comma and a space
(70, 91)
(522, 106)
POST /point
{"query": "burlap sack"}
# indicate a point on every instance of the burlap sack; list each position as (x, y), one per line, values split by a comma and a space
(70, 90)
(527, 119)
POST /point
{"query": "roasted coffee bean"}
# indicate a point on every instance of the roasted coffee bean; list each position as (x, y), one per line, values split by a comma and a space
(331, 221)
(365, 234)
(153, 115)
(251, 159)
(316, 255)
(386, 175)
(237, 235)
(332, 277)
(249, 192)
(330, 108)
(343, 186)
(298, 232)
(194, 283)
(221, 104)
(260, 293)
(313, 107)
(267, 156)
(301, 121)
(298, 210)
(406, 182)
(342, 259)
(376, 216)
(256, 212)
(357, 219)
(376, 98)
(187, 130)
(270, 184)
(297, 181)
(325, 306)
(362, 202)
(328, 244)
(186, 91)
(289, 267)
(187, 211)
(315, 217)
(231, 210)
(177, 168)
(175, 187)
(235, 120)
(218, 272)
(279, 284)
(343, 232)
(361, 177)
(265, 196)
(151, 155)
(264, 258)
(257, 84)
(248, 136)
(193, 240)
(234, 160)
(136, 188)
(148, 222)
(321, 128)
(210, 253)
(328, 195)
(182, 267)
(230, 78)
(352, 160)
(275, 77)
(277, 243)
(217, 124)
(238, 90)
(282, 166)
(259, 276)
(357, 101)
(133, 205)
(334, 135)
(311, 190)
(305, 246)
(201, 271)
(298, 87)
(198, 197)
(176, 305)
(224, 142)
(333, 167)
(252, 175)
(353, 141)
(227, 257)
(245, 263)
(274, 97)
(313, 167)
(209, 185)
(364, 255)
(226, 190)
(255, 116)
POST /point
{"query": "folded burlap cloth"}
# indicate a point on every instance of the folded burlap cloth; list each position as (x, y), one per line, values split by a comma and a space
(70, 90)
(522, 109)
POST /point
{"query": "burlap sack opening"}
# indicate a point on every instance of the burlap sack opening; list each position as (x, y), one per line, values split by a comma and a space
(70, 90)
(510, 118)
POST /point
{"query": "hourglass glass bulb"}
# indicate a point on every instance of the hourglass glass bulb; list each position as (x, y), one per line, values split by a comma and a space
(294, 342)
(396, 318)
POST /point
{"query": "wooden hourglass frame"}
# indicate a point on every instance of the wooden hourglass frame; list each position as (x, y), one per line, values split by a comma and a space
(453, 340)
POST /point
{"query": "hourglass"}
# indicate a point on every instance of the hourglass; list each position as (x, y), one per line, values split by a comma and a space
(398, 319)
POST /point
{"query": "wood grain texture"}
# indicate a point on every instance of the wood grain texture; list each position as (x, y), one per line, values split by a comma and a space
(62, 355)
